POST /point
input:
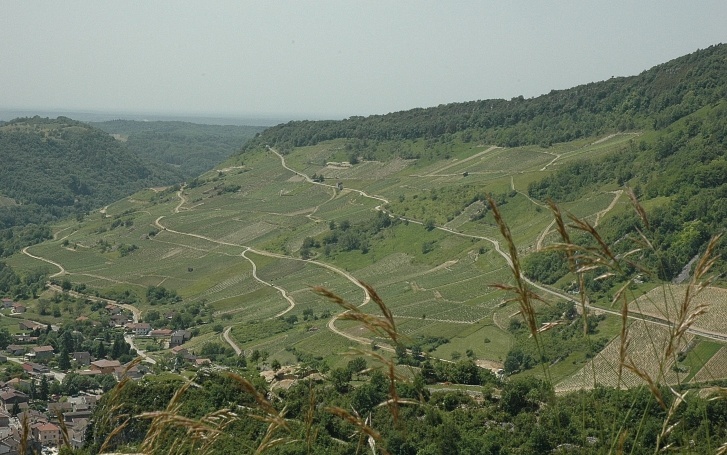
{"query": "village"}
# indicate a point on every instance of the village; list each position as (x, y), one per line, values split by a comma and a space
(50, 388)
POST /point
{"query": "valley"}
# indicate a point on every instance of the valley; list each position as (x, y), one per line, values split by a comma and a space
(240, 251)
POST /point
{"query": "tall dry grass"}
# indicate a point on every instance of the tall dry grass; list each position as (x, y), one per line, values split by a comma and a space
(594, 255)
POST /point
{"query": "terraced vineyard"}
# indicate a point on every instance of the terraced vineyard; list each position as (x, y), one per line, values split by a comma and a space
(233, 238)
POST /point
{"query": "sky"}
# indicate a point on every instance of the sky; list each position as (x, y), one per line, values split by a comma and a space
(329, 59)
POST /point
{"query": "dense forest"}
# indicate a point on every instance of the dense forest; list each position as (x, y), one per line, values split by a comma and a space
(652, 100)
(54, 168)
(191, 148)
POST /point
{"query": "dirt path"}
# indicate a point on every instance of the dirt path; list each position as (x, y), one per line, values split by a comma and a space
(230, 341)
(281, 290)
(62, 270)
(438, 172)
(182, 199)
(551, 161)
(600, 214)
(541, 237)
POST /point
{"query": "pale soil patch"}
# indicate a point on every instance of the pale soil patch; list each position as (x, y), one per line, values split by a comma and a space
(663, 302)
(489, 364)
(647, 345)
(370, 170)
(715, 368)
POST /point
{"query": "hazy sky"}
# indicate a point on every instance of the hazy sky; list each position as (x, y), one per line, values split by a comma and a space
(330, 58)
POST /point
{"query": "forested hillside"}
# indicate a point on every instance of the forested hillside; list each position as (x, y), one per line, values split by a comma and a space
(191, 148)
(654, 99)
(53, 168)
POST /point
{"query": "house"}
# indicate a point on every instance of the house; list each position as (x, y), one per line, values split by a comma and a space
(84, 403)
(42, 352)
(18, 383)
(12, 397)
(18, 308)
(61, 406)
(113, 309)
(201, 362)
(7, 303)
(179, 351)
(10, 443)
(26, 339)
(82, 358)
(105, 366)
(69, 417)
(139, 328)
(35, 369)
(77, 433)
(180, 337)
(30, 325)
(161, 333)
(47, 434)
(128, 371)
(15, 349)
(118, 320)
(4, 419)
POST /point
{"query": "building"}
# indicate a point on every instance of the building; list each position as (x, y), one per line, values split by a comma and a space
(15, 349)
(105, 366)
(118, 320)
(113, 309)
(47, 434)
(180, 337)
(42, 352)
(18, 308)
(30, 325)
(82, 358)
(7, 303)
(139, 328)
(160, 333)
(35, 369)
(11, 397)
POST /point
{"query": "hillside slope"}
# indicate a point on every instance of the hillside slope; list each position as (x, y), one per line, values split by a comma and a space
(191, 148)
(653, 99)
(52, 168)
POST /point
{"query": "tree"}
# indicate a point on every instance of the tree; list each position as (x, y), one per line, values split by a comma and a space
(356, 365)
(340, 378)
(64, 360)
(44, 389)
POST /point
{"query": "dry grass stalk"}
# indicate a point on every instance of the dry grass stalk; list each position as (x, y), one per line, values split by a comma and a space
(363, 428)
(274, 418)
(64, 428)
(384, 326)
(523, 295)
(24, 434)
(112, 418)
(310, 434)
(200, 434)
(381, 326)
